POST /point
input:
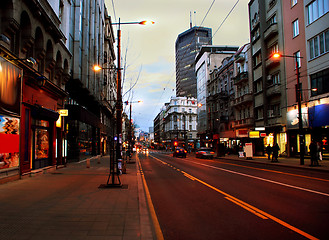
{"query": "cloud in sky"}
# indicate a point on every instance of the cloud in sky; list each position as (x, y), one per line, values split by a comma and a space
(151, 49)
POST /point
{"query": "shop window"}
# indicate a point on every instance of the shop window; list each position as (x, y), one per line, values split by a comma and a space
(41, 143)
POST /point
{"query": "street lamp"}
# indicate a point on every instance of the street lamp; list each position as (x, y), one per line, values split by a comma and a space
(119, 95)
(300, 118)
(130, 127)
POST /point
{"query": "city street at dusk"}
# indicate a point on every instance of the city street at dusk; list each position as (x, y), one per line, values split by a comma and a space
(164, 120)
(223, 199)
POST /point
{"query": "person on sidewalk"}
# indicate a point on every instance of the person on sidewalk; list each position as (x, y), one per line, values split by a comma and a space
(269, 151)
(313, 153)
(275, 152)
(319, 151)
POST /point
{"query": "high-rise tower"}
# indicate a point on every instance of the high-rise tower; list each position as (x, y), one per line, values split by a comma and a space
(188, 45)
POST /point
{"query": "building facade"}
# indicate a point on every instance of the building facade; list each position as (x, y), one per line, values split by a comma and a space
(180, 123)
(316, 20)
(269, 82)
(188, 44)
(295, 45)
(90, 124)
(220, 114)
(208, 59)
(34, 67)
(243, 99)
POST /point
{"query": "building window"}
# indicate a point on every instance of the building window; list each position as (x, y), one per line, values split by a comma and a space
(258, 85)
(272, 20)
(293, 2)
(297, 57)
(317, 9)
(274, 49)
(257, 59)
(319, 44)
(274, 79)
(255, 34)
(320, 81)
(295, 28)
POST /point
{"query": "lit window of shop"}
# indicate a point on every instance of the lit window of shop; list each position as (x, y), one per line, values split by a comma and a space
(41, 146)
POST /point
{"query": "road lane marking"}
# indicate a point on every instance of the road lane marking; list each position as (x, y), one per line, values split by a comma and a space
(247, 206)
(262, 179)
(268, 170)
(157, 228)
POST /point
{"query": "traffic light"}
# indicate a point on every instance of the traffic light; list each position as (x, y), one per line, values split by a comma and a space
(175, 143)
(126, 102)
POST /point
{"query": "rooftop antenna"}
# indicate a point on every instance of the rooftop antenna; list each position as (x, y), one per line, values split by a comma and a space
(190, 19)
(194, 18)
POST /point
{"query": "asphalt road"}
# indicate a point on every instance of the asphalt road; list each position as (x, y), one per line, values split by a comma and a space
(222, 199)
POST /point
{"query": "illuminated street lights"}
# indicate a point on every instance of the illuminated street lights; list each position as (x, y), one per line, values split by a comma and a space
(130, 127)
(119, 99)
(300, 118)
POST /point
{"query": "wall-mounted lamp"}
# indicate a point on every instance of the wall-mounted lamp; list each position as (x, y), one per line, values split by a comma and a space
(29, 60)
(41, 81)
(4, 39)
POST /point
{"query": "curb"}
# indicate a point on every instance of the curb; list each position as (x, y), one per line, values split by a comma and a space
(276, 164)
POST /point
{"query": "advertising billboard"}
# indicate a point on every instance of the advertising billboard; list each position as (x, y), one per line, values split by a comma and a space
(9, 142)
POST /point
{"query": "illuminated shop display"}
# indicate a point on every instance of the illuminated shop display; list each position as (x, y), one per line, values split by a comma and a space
(9, 142)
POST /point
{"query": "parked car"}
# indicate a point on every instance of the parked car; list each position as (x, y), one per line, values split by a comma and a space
(205, 153)
(179, 152)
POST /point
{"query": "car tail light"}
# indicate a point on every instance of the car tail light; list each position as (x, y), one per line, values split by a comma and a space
(203, 152)
(185, 151)
(212, 152)
(177, 151)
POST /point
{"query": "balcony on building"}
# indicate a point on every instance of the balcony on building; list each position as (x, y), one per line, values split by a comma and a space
(271, 31)
(244, 122)
(271, 62)
(246, 98)
(273, 90)
(240, 77)
(240, 58)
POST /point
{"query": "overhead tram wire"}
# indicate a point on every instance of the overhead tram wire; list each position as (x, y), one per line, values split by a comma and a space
(115, 17)
(225, 18)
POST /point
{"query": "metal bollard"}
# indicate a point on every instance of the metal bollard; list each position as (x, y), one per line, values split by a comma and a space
(88, 163)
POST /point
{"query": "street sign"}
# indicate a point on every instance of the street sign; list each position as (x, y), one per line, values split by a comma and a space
(63, 112)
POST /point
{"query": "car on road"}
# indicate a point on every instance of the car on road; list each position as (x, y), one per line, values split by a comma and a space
(205, 153)
(179, 152)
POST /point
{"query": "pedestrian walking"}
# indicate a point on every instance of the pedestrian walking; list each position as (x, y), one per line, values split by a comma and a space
(313, 153)
(275, 152)
(319, 152)
(269, 151)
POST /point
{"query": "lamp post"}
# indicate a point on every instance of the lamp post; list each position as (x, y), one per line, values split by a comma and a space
(130, 127)
(119, 102)
(299, 104)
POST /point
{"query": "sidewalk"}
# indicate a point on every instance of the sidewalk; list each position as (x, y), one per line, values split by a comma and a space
(68, 204)
(283, 161)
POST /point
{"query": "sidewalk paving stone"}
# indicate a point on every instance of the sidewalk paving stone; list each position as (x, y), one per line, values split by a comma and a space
(68, 204)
